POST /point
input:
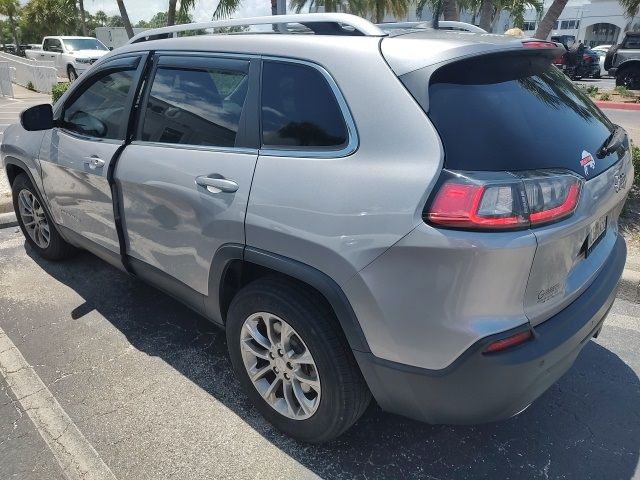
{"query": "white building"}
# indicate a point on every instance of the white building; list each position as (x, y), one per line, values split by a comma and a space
(595, 22)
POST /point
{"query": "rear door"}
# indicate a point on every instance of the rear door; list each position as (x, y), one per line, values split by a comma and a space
(186, 177)
(76, 157)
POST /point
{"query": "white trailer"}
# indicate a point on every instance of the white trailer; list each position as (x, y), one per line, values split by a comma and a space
(114, 37)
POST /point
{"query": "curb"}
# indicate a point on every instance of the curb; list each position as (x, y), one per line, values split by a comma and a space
(618, 105)
(8, 220)
(629, 286)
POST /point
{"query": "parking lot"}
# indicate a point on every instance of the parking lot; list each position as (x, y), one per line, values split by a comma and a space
(104, 377)
(147, 389)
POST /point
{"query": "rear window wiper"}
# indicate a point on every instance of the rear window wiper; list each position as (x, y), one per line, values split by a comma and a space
(613, 142)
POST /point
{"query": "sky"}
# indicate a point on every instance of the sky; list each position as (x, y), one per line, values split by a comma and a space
(145, 9)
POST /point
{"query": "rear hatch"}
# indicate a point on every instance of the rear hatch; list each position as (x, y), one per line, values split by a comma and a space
(513, 111)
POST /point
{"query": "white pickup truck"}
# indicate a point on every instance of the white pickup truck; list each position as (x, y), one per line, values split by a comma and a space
(71, 55)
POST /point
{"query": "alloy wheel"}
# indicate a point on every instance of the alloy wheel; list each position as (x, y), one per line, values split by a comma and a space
(33, 218)
(280, 365)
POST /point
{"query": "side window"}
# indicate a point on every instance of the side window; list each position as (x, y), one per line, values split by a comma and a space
(47, 44)
(195, 106)
(632, 42)
(299, 108)
(101, 109)
(53, 45)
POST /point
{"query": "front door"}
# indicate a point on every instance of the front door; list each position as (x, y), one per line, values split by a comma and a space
(91, 128)
(185, 179)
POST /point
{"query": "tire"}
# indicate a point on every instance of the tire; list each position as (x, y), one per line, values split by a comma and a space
(72, 74)
(629, 77)
(51, 248)
(342, 396)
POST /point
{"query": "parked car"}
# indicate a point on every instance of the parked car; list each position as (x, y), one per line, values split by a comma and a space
(601, 57)
(580, 63)
(385, 222)
(71, 55)
(623, 61)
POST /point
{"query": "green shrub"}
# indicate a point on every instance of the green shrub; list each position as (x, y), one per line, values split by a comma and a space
(592, 91)
(624, 91)
(31, 87)
(58, 90)
(605, 97)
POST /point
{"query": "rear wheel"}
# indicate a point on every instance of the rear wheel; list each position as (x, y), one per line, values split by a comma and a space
(629, 77)
(293, 361)
(35, 223)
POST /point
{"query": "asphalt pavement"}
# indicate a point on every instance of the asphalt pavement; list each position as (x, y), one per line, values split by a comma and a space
(148, 387)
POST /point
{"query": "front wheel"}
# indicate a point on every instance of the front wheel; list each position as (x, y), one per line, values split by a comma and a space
(72, 74)
(629, 77)
(35, 223)
(293, 361)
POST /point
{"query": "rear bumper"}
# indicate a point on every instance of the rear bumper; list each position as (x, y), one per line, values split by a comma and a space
(480, 388)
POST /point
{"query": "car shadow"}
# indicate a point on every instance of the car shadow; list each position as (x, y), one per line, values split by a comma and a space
(585, 426)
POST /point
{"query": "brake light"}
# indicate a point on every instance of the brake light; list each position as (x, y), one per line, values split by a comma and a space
(509, 342)
(586, 57)
(538, 44)
(560, 60)
(503, 200)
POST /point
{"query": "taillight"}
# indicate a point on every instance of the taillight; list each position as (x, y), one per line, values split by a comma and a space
(586, 57)
(503, 200)
(560, 60)
(538, 44)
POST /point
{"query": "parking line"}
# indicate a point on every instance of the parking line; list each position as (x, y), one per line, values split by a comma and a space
(75, 455)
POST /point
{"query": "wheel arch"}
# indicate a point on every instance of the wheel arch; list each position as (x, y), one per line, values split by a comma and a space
(632, 63)
(235, 265)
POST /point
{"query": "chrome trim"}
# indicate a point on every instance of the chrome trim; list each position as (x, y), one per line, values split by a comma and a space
(353, 142)
(203, 148)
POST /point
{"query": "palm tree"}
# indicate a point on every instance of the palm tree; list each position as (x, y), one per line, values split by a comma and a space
(551, 17)
(10, 9)
(631, 7)
(329, 5)
(101, 17)
(83, 20)
(171, 13)
(450, 10)
(486, 12)
(125, 18)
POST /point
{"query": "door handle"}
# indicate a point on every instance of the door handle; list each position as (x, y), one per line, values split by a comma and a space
(217, 184)
(94, 162)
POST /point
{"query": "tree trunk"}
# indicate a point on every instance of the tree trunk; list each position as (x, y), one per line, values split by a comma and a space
(379, 11)
(552, 15)
(12, 22)
(450, 10)
(83, 19)
(171, 13)
(274, 7)
(125, 18)
(486, 9)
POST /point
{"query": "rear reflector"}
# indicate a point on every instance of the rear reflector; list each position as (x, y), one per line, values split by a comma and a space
(509, 342)
(503, 200)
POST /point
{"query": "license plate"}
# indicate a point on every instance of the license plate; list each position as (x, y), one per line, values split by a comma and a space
(596, 232)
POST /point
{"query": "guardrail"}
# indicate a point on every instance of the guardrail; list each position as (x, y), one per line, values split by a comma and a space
(41, 75)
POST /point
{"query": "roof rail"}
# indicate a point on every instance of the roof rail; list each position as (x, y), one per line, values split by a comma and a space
(321, 20)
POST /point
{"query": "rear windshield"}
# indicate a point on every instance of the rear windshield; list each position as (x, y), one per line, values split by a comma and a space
(515, 113)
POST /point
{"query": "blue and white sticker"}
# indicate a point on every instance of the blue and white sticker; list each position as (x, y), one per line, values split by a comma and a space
(587, 161)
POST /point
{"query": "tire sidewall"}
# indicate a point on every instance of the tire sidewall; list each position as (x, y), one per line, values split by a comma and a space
(309, 429)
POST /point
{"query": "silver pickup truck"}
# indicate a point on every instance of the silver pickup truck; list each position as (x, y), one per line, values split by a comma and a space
(623, 61)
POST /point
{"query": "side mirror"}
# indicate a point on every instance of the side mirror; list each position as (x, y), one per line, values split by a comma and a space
(110, 48)
(39, 117)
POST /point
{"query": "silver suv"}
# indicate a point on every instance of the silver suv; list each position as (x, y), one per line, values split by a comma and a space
(429, 218)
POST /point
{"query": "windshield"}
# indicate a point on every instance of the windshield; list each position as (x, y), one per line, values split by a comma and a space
(74, 44)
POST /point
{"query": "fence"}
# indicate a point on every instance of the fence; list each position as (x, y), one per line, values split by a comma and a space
(41, 75)
(6, 87)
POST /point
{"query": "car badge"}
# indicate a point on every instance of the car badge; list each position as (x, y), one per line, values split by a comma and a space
(587, 161)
